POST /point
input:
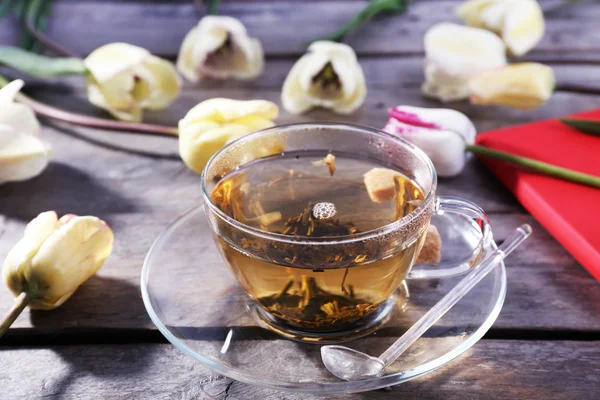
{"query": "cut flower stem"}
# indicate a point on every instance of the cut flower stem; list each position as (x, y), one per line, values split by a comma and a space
(58, 114)
(21, 302)
(538, 166)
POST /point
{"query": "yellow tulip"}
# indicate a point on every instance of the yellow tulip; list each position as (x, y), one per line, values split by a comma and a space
(211, 124)
(525, 86)
(55, 256)
(520, 23)
(124, 80)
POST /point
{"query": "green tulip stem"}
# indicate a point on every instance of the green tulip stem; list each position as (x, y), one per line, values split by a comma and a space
(58, 114)
(541, 167)
(213, 7)
(373, 8)
(20, 303)
(30, 26)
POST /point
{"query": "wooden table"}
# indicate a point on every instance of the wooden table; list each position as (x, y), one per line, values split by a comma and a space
(101, 343)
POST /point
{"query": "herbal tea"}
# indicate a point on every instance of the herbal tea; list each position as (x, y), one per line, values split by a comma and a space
(316, 287)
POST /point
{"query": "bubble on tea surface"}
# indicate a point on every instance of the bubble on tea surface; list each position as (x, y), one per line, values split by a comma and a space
(324, 210)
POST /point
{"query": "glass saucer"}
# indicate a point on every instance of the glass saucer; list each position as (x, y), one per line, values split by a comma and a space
(196, 303)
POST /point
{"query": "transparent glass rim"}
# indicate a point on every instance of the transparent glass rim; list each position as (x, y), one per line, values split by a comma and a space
(343, 239)
(313, 387)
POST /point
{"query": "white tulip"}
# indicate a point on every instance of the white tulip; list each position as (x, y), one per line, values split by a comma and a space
(520, 23)
(124, 80)
(22, 154)
(328, 76)
(441, 133)
(454, 54)
(220, 48)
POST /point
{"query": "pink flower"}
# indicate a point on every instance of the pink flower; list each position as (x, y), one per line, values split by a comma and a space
(441, 133)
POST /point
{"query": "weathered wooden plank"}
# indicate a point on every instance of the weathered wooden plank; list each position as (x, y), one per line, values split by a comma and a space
(491, 369)
(546, 288)
(296, 23)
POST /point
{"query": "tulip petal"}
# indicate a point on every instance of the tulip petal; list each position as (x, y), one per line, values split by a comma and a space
(219, 47)
(22, 156)
(165, 83)
(353, 85)
(10, 90)
(486, 14)
(463, 51)
(67, 258)
(110, 60)
(19, 257)
(185, 59)
(198, 145)
(125, 79)
(523, 27)
(525, 86)
(328, 75)
(440, 133)
(253, 123)
(455, 53)
(211, 124)
(18, 117)
(224, 110)
(293, 96)
(116, 98)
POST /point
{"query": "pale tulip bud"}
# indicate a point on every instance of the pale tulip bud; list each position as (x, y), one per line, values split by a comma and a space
(22, 154)
(220, 48)
(211, 124)
(328, 76)
(525, 86)
(441, 133)
(124, 80)
(454, 54)
(520, 23)
(55, 256)
(524, 27)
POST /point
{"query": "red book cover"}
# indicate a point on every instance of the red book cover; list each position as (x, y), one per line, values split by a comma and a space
(569, 211)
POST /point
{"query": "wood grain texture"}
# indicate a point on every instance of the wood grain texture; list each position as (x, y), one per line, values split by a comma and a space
(161, 26)
(139, 196)
(492, 369)
(139, 185)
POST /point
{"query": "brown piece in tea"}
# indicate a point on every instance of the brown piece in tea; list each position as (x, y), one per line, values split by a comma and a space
(329, 160)
(380, 184)
(431, 252)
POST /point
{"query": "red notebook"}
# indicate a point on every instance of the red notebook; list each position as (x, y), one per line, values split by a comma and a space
(569, 211)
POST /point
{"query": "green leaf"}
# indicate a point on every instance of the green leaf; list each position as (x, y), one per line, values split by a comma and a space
(37, 17)
(40, 66)
(585, 126)
(213, 6)
(372, 9)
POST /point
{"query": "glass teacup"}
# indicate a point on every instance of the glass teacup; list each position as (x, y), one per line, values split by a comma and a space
(319, 255)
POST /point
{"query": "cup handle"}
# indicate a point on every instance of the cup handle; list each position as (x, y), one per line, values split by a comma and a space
(475, 217)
